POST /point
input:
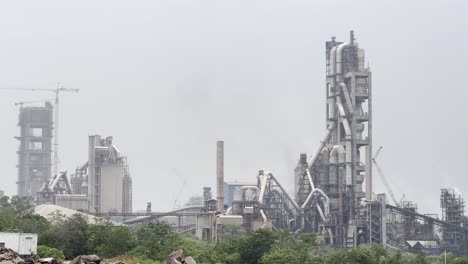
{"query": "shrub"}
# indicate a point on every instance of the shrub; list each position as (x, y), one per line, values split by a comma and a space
(50, 252)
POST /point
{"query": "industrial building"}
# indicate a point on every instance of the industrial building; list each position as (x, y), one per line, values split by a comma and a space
(57, 190)
(35, 148)
(333, 194)
(329, 196)
(103, 184)
(230, 189)
(105, 178)
(341, 163)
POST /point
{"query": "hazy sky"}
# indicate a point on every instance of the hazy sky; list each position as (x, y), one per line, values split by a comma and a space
(167, 79)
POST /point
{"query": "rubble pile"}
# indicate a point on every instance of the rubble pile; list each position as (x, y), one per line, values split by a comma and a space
(119, 260)
(177, 257)
(8, 256)
(86, 259)
(47, 261)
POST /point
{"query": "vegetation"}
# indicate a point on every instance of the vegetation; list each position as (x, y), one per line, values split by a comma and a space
(150, 243)
(48, 252)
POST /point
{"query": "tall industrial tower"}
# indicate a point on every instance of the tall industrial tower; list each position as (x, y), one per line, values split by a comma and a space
(342, 162)
(35, 148)
(109, 184)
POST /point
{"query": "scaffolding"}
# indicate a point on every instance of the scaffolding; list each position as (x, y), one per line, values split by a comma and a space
(453, 210)
(35, 148)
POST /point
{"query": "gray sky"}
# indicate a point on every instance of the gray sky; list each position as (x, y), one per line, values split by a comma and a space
(169, 78)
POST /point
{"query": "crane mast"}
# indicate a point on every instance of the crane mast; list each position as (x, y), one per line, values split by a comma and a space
(384, 180)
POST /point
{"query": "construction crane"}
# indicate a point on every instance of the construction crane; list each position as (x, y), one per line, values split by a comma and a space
(384, 180)
(181, 188)
(31, 102)
(57, 92)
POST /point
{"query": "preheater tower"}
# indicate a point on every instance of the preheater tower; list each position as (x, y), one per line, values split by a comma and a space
(342, 161)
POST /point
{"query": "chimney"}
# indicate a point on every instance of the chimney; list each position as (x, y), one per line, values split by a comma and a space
(220, 175)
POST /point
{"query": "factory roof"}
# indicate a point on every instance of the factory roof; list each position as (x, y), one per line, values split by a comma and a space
(422, 243)
(48, 211)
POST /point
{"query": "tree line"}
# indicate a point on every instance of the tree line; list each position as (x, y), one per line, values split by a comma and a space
(152, 242)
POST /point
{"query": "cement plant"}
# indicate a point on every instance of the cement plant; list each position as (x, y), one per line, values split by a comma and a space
(333, 183)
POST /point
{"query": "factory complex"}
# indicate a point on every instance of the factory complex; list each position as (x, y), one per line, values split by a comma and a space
(333, 193)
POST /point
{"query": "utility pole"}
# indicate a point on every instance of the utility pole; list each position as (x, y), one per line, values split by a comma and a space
(57, 92)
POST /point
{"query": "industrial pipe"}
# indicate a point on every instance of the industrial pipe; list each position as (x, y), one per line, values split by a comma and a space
(339, 58)
(343, 118)
(326, 202)
(319, 209)
(284, 191)
(348, 163)
(347, 97)
(335, 153)
(331, 235)
(348, 142)
(265, 220)
(333, 61)
(260, 194)
(325, 137)
(53, 182)
(57, 178)
(312, 186)
(116, 151)
(262, 188)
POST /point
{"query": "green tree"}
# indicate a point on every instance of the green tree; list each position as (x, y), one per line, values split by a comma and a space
(8, 220)
(232, 231)
(118, 241)
(229, 248)
(421, 258)
(4, 201)
(460, 260)
(156, 240)
(378, 252)
(257, 244)
(22, 204)
(281, 256)
(354, 256)
(32, 223)
(201, 251)
(48, 252)
(284, 236)
(393, 258)
(70, 235)
(303, 246)
(309, 239)
(97, 235)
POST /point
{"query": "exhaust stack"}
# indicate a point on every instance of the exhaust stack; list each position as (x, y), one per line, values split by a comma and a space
(220, 175)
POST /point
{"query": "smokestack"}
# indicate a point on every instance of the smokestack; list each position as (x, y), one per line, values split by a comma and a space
(220, 175)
